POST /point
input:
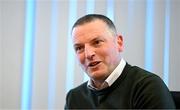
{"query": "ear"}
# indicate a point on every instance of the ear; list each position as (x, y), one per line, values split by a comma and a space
(120, 43)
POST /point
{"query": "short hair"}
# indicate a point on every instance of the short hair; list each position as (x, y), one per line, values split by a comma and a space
(92, 17)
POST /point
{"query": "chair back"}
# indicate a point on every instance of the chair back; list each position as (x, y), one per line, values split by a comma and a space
(176, 97)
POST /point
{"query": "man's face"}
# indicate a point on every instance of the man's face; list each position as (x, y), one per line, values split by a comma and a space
(97, 49)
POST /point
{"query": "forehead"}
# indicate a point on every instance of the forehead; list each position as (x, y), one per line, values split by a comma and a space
(90, 30)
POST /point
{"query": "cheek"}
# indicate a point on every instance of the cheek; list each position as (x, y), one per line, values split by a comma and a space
(110, 54)
(81, 58)
(104, 54)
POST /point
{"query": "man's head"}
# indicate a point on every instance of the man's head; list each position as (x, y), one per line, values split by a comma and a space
(91, 17)
(97, 45)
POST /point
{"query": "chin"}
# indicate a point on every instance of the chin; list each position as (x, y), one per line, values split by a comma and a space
(98, 75)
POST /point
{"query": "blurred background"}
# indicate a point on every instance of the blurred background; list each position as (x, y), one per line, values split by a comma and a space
(37, 62)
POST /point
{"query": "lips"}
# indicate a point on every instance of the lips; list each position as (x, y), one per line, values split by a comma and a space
(93, 64)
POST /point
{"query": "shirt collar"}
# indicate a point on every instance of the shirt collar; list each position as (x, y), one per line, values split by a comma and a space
(111, 78)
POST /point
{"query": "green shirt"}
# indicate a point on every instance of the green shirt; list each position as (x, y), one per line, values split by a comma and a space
(135, 88)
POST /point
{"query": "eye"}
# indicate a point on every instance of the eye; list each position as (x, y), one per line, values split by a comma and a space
(79, 49)
(97, 42)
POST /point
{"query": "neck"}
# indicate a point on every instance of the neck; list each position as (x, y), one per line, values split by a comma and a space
(97, 84)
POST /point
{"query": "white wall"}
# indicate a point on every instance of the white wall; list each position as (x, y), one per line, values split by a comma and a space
(0, 55)
(174, 46)
(130, 19)
(12, 45)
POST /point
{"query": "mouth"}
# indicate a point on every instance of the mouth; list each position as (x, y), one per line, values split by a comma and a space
(93, 64)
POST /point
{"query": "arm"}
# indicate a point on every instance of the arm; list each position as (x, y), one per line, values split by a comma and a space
(67, 104)
(151, 92)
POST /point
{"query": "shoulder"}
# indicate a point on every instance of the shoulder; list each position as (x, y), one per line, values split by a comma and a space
(79, 89)
(149, 88)
(140, 74)
(145, 79)
(74, 94)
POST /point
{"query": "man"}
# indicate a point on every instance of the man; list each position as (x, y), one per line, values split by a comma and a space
(113, 82)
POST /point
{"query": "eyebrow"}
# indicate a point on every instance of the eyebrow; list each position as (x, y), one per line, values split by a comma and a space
(95, 39)
(76, 45)
(92, 40)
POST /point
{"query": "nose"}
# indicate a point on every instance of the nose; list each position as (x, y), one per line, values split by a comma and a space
(89, 52)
